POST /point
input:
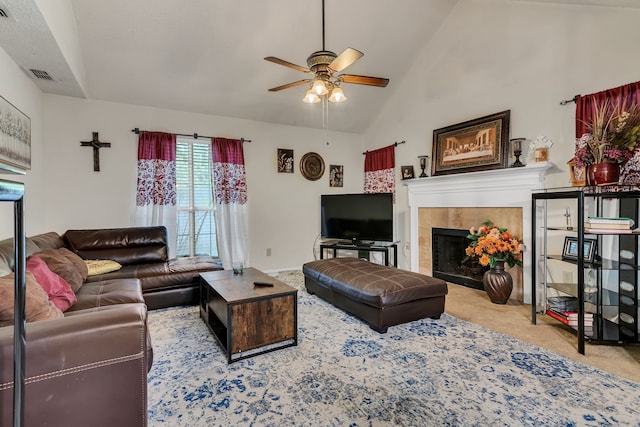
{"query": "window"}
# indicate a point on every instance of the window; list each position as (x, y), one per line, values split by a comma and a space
(196, 233)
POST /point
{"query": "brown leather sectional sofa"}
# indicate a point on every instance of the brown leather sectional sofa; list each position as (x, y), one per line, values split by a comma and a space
(90, 367)
(143, 254)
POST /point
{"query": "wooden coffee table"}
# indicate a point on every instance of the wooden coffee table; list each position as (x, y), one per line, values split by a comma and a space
(248, 320)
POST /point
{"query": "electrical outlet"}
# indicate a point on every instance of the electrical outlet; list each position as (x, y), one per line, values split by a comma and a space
(567, 276)
(268, 251)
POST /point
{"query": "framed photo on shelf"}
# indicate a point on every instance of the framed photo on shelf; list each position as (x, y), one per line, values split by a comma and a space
(570, 249)
(475, 145)
(407, 172)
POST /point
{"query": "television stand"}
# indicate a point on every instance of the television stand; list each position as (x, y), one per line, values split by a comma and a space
(363, 250)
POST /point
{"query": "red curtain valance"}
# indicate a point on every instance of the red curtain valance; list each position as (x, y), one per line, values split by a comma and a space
(628, 94)
(382, 158)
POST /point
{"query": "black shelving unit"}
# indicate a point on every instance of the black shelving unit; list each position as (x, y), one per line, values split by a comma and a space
(14, 192)
(613, 297)
(363, 250)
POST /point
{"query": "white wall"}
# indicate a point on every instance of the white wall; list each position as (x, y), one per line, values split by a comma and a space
(61, 20)
(488, 56)
(284, 209)
(495, 55)
(20, 91)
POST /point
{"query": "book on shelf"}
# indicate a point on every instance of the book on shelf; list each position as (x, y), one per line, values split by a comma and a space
(614, 226)
(563, 303)
(603, 220)
(573, 319)
(570, 318)
(558, 316)
(598, 230)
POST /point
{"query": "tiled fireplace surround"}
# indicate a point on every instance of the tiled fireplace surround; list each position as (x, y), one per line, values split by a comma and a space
(464, 200)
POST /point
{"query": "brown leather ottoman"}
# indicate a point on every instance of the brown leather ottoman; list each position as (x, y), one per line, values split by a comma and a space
(381, 296)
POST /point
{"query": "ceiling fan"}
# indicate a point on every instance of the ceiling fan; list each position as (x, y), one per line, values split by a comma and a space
(324, 65)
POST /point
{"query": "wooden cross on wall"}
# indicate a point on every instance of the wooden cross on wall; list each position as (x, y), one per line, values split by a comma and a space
(97, 145)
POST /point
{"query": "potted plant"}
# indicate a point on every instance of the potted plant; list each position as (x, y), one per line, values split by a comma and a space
(494, 246)
(614, 135)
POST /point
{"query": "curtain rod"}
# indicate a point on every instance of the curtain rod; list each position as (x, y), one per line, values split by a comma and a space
(193, 135)
(569, 101)
(395, 144)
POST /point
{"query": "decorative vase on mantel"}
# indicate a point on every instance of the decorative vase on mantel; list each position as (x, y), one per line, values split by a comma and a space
(603, 173)
(498, 283)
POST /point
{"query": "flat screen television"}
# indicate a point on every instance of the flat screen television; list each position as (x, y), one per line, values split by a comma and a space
(357, 217)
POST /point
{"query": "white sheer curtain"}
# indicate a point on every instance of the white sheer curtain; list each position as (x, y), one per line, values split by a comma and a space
(156, 187)
(230, 192)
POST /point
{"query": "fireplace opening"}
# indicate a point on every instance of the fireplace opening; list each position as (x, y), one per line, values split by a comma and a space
(449, 260)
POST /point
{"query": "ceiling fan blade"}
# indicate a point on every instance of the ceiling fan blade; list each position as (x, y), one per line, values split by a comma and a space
(364, 80)
(288, 85)
(286, 64)
(346, 58)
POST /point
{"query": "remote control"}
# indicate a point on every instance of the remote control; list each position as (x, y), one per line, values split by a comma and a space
(263, 283)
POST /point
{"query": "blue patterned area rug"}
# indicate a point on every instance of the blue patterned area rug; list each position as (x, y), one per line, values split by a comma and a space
(445, 372)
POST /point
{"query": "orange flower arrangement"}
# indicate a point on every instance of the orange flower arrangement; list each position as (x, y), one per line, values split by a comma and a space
(491, 244)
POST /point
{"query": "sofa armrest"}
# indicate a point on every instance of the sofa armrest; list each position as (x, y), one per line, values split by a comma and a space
(85, 369)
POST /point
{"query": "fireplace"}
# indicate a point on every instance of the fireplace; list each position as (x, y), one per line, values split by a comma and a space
(449, 260)
(458, 201)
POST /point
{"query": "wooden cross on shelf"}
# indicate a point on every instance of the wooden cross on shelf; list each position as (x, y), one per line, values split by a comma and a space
(97, 145)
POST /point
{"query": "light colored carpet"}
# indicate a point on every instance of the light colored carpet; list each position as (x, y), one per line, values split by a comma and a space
(342, 373)
(514, 319)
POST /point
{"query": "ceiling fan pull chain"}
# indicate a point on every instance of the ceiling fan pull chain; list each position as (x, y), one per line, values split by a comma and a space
(323, 25)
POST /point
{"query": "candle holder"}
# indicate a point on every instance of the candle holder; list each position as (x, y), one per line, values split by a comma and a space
(423, 166)
(516, 143)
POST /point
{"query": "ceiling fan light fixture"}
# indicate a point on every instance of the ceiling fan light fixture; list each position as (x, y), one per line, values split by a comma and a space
(311, 97)
(337, 95)
(319, 87)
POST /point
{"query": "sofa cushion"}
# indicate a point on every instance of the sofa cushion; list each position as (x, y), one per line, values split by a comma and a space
(62, 266)
(108, 292)
(164, 275)
(131, 245)
(78, 262)
(59, 291)
(37, 307)
(7, 254)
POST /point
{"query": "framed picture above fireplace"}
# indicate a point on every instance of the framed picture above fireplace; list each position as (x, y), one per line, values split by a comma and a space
(474, 145)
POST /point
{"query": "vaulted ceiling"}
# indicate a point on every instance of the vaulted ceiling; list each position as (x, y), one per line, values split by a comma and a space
(206, 56)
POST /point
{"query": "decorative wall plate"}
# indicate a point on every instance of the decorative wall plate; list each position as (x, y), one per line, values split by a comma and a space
(312, 166)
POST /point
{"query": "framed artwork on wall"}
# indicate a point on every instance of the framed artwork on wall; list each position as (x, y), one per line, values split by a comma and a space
(15, 138)
(474, 145)
(312, 166)
(336, 173)
(285, 160)
(407, 172)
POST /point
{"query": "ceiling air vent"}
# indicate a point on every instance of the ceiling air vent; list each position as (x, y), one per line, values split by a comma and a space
(40, 74)
(3, 13)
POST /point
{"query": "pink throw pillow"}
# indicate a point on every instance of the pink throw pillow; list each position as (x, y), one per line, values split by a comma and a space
(59, 291)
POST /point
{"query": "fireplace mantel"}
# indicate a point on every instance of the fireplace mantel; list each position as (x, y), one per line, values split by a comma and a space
(510, 187)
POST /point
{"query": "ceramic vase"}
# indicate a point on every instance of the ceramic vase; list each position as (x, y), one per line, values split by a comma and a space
(498, 283)
(603, 173)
